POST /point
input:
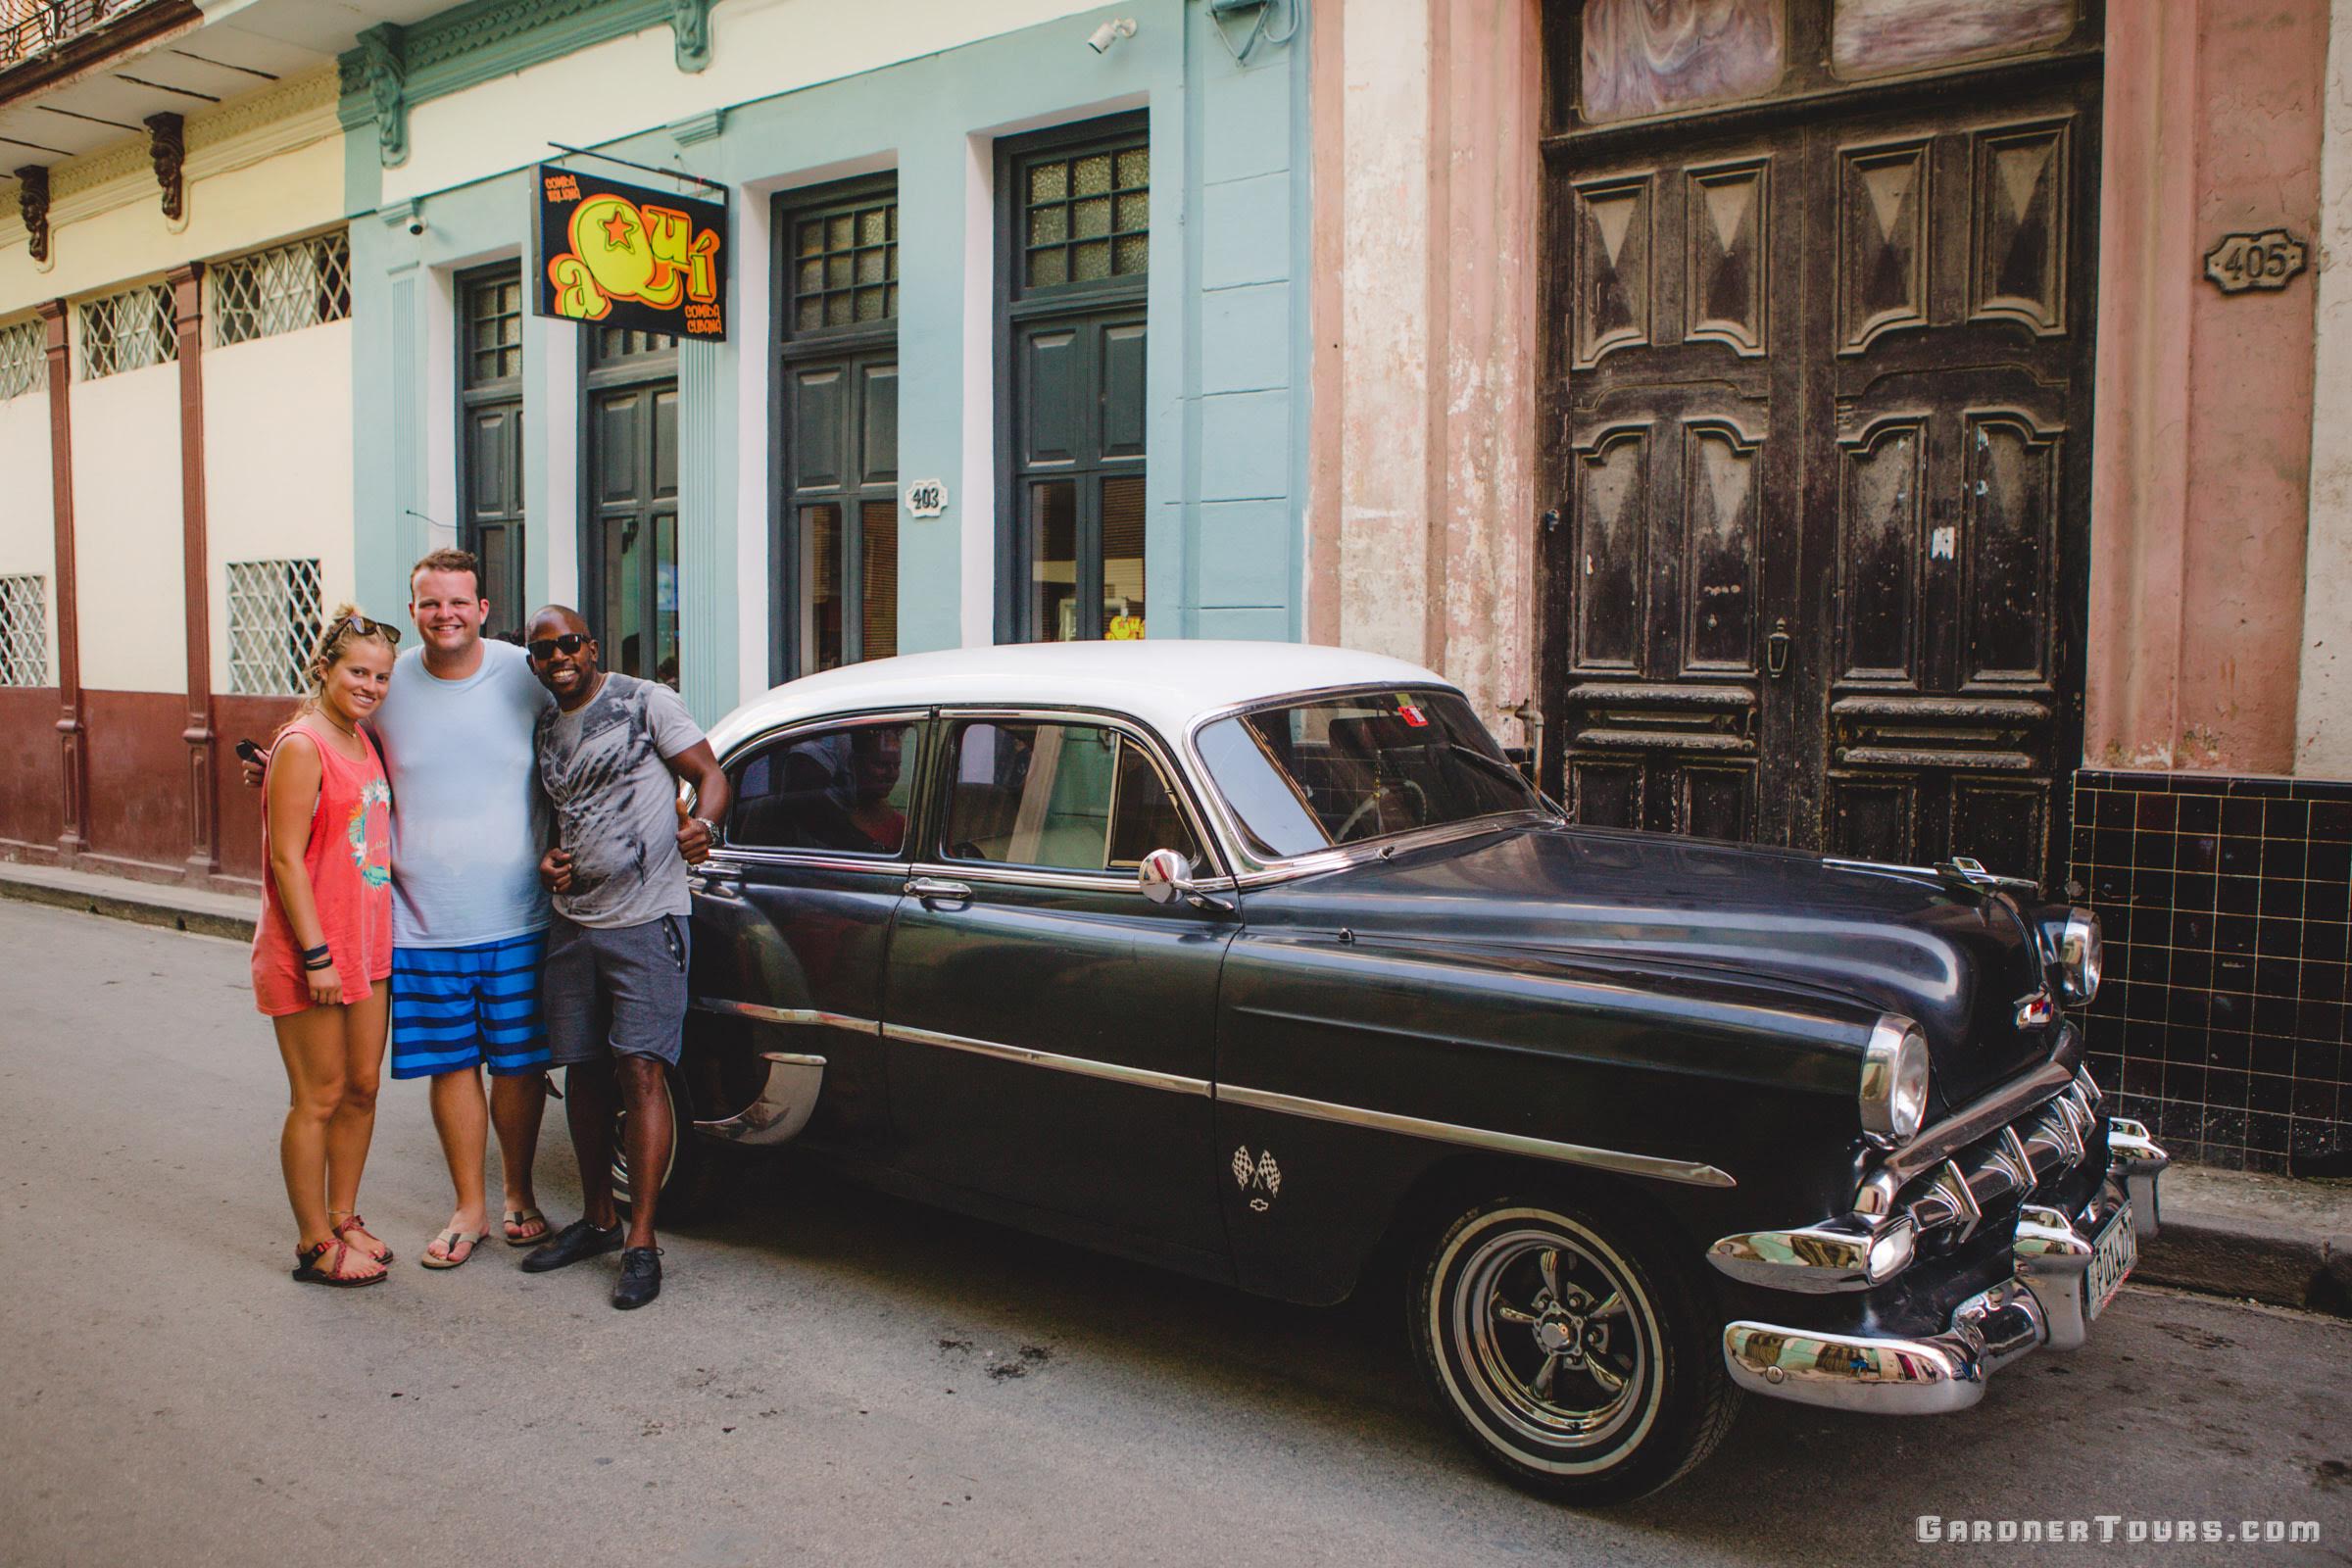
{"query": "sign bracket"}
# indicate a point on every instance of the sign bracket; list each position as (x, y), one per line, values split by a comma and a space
(650, 168)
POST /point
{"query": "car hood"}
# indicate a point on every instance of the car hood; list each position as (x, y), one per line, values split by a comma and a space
(1955, 959)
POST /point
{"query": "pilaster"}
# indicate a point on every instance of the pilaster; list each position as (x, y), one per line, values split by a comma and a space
(72, 753)
(187, 318)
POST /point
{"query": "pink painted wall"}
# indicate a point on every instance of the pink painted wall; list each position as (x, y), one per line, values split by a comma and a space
(2203, 404)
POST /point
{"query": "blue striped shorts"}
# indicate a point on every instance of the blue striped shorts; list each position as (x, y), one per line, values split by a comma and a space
(455, 1009)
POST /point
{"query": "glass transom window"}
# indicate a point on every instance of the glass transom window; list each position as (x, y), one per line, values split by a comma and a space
(845, 267)
(1086, 217)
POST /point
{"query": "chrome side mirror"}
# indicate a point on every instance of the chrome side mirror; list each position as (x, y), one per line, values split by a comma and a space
(1164, 877)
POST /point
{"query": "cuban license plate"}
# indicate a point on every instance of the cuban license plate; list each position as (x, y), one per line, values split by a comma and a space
(2112, 1257)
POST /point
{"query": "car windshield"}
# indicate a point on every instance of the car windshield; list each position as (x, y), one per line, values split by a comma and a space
(1342, 769)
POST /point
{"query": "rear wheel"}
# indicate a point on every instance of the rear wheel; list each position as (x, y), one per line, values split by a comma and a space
(687, 1177)
(1570, 1350)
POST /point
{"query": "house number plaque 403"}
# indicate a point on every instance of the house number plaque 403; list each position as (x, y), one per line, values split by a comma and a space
(2241, 262)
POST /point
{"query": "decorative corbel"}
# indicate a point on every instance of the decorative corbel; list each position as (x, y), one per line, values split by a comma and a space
(33, 201)
(168, 148)
(384, 69)
(690, 33)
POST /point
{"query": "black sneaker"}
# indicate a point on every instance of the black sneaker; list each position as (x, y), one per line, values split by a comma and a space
(574, 1241)
(640, 1277)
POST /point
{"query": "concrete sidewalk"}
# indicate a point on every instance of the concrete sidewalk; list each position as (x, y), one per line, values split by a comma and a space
(2227, 1233)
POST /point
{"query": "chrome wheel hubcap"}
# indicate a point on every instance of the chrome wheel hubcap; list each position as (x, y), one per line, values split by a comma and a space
(1543, 1329)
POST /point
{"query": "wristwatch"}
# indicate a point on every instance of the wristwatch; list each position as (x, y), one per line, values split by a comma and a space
(717, 838)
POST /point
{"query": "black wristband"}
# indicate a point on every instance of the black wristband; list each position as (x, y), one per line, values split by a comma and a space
(313, 955)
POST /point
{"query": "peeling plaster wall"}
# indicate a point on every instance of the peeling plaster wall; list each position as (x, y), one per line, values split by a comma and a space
(2323, 703)
(2200, 499)
(1422, 490)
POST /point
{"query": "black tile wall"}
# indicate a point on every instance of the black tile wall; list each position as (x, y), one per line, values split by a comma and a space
(2227, 903)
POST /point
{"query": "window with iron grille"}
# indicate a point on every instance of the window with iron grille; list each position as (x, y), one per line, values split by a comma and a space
(272, 624)
(283, 290)
(127, 332)
(845, 265)
(24, 359)
(24, 631)
(1085, 213)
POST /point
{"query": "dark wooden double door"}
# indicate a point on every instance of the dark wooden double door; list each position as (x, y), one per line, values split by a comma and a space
(1818, 431)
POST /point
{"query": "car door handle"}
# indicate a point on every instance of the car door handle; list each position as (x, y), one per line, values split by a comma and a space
(716, 881)
(928, 888)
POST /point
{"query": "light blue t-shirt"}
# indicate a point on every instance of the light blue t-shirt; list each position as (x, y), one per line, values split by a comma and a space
(468, 820)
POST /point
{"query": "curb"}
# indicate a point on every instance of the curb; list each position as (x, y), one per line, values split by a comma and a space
(2250, 1260)
(130, 904)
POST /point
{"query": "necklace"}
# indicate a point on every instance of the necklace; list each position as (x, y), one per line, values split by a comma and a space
(350, 730)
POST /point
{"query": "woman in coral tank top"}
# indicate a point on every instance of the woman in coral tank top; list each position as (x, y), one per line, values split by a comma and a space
(322, 949)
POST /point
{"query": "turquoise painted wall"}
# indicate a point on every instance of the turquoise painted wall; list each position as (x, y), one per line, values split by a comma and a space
(1227, 304)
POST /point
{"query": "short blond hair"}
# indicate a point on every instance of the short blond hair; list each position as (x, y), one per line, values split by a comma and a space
(451, 559)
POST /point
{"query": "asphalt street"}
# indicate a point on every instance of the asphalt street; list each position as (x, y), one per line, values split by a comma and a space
(836, 1376)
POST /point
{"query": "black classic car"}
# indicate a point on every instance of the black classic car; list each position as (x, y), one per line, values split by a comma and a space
(1262, 963)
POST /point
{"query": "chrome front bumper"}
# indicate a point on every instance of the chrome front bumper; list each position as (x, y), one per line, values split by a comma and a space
(2045, 1302)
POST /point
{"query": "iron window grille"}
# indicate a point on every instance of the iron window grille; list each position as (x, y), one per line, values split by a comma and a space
(283, 289)
(273, 623)
(24, 360)
(128, 332)
(1086, 215)
(24, 631)
(845, 267)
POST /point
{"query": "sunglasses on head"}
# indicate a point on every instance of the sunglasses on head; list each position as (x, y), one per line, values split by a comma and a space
(365, 627)
(544, 649)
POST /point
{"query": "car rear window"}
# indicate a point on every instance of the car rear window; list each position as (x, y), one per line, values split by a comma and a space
(1335, 770)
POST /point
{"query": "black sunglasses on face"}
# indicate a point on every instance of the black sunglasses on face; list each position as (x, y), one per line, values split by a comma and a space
(544, 649)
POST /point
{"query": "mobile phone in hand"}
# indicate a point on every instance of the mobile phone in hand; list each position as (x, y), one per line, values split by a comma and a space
(250, 750)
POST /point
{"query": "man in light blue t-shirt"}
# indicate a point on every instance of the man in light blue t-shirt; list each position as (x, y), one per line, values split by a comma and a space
(469, 915)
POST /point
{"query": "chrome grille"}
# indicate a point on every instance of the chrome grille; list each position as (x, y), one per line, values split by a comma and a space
(2007, 1168)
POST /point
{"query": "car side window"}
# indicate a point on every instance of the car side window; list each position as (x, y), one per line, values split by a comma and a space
(1063, 797)
(842, 791)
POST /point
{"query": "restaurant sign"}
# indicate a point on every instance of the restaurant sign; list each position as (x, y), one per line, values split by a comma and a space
(624, 256)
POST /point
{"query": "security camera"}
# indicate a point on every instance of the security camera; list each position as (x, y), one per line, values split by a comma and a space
(1111, 33)
(416, 225)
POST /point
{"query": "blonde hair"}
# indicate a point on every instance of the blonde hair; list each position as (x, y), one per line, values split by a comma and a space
(345, 627)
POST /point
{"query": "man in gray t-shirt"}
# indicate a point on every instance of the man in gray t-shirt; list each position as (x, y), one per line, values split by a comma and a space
(612, 754)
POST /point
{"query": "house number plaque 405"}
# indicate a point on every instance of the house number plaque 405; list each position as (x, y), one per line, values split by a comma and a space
(2241, 262)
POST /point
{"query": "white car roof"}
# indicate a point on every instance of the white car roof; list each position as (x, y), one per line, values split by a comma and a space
(1167, 682)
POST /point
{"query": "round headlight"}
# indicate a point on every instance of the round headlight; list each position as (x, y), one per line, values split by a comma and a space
(2082, 955)
(1894, 1098)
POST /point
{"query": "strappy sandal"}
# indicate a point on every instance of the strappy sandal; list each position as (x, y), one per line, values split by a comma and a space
(307, 1271)
(349, 1222)
(517, 1218)
(451, 1240)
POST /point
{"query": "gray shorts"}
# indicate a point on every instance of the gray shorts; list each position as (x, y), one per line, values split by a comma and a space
(614, 992)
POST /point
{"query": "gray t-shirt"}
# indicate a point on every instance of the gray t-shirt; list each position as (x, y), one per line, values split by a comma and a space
(615, 802)
(468, 822)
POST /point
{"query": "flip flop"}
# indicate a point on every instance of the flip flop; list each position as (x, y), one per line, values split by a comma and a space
(519, 1217)
(450, 1241)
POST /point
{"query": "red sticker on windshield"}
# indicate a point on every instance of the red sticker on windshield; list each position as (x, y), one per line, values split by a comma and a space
(1411, 715)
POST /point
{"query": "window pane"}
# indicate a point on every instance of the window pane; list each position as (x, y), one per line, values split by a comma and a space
(844, 791)
(1033, 794)
(1093, 174)
(623, 638)
(1123, 557)
(821, 563)
(1054, 560)
(878, 625)
(1640, 57)
(1090, 260)
(1870, 37)
(665, 599)
(1049, 182)
(1048, 268)
(1145, 817)
(1092, 219)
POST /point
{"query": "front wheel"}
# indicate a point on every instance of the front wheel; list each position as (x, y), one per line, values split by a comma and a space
(687, 1179)
(1570, 1350)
